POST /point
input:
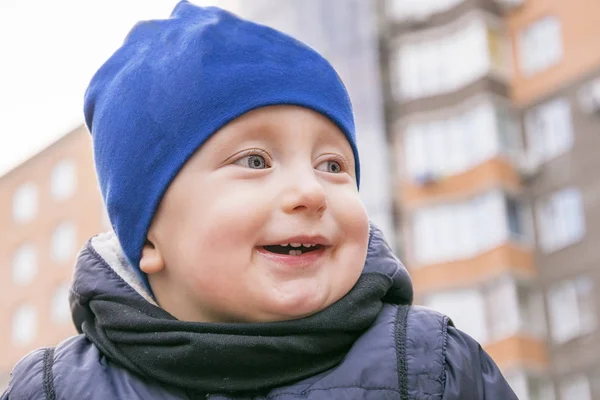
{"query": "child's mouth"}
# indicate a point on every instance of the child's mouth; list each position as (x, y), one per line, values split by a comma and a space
(292, 249)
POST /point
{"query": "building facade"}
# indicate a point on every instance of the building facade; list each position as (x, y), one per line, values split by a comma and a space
(493, 109)
(49, 207)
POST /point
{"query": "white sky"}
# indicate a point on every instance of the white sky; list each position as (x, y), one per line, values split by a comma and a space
(49, 50)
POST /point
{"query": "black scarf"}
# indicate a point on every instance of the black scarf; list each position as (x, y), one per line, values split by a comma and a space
(231, 357)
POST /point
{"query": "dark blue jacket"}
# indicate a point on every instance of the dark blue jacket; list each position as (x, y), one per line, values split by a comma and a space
(407, 352)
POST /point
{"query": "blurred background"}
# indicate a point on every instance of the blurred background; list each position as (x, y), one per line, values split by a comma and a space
(478, 125)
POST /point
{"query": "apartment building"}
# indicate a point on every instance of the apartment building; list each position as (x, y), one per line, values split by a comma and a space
(493, 110)
(49, 207)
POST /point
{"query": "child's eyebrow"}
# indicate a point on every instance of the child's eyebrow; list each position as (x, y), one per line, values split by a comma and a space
(253, 129)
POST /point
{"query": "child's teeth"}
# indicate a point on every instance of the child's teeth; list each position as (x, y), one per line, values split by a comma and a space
(284, 245)
(295, 252)
(295, 244)
(307, 245)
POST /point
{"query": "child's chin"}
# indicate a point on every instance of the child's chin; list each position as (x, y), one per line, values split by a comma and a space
(299, 306)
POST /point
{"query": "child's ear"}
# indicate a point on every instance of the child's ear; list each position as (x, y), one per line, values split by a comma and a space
(152, 260)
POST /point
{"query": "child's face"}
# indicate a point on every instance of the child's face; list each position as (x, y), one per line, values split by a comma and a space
(274, 176)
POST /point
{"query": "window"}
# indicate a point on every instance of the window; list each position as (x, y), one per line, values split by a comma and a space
(518, 383)
(493, 312)
(24, 327)
(64, 241)
(560, 220)
(500, 52)
(435, 65)
(528, 387)
(509, 133)
(571, 308)
(515, 218)
(25, 203)
(577, 387)
(542, 389)
(549, 130)
(61, 312)
(419, 9)
(24, 266)
(503, 309)
(531, 312)
(514, 308)
(466, 308)
(461, 230)
(540, 45)
(63, 180)
(443, 147)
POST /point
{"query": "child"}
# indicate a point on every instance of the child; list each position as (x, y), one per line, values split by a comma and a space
(242, 265)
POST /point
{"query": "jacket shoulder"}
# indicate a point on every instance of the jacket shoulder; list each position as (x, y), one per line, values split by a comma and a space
(77, 369)
(442, 362)
(29, 375)
(422, 362)
(39, 374)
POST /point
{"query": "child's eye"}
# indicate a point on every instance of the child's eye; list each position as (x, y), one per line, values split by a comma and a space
(253, 161)
(330, 166)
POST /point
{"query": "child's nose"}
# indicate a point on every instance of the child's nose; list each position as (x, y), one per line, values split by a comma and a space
(304, 194)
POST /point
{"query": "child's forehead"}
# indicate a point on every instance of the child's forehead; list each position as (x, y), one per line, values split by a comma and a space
(281, 123)
(275, 114)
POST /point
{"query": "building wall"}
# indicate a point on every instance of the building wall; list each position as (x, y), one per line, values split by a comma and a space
(561, 358)
(577, 168)
(83, 208)
(580, 32)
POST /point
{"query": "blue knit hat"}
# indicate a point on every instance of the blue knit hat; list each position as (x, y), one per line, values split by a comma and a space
(174, 83)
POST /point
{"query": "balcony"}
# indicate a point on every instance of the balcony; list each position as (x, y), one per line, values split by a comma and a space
(519, 351)
(444, 62)
(497, 172)
(407, 15)
(505, 315)
(507, 258)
